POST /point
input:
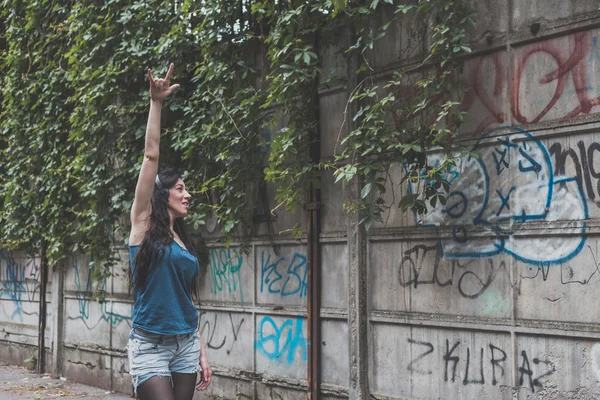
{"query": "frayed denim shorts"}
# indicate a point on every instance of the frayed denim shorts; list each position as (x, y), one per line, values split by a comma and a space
(153, 354)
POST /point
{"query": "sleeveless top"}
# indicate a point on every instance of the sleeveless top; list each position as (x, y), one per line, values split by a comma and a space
(164, 305)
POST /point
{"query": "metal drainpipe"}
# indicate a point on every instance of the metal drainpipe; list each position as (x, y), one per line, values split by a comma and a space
(313, 209)
(41, 358)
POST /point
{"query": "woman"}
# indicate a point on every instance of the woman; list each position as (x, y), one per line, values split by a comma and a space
(165, 348)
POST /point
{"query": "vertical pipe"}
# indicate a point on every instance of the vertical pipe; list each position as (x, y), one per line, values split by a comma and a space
(313, 252)
(314, 301)
(41, 359)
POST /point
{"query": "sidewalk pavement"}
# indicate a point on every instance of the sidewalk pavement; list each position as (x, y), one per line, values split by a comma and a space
(17, 383)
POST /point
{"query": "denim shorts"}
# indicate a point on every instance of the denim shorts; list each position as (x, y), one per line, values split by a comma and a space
(153, 354)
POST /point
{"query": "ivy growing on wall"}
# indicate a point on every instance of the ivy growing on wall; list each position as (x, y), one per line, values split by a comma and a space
(74, 105)
(398, 121)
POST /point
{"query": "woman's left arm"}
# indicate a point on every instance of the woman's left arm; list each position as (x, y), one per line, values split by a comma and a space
(206, 373)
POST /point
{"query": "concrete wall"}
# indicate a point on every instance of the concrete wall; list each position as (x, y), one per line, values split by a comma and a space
(19, 308)
(492, 296)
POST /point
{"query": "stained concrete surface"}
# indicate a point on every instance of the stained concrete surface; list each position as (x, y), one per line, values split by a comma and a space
(18, 383)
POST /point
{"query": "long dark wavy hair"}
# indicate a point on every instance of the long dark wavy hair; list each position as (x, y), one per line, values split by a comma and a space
(158, 235)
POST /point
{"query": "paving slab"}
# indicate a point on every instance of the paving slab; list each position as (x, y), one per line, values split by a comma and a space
(19, 383)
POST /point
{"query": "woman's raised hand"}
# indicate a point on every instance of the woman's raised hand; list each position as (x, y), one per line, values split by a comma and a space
(159, 88)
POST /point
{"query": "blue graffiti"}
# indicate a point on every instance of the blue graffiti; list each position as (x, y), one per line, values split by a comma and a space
(523, 189)
(535, 166)
(450, 175)
(284, 281)
(225, 269)
(83, 296)
(281, 343)
(16, 283)
(13, 283)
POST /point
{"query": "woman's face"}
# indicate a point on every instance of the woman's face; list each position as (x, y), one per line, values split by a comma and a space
(178, 200)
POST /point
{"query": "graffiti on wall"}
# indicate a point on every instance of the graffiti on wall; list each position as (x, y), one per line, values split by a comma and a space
(20, 283)
(504, 205)
(283, 342)
(227, 330)
(551, 80)
(468, 365)
(580, 159)
(283, 276)
(423, 265)
(225, 271)
(510, 187)
(518, 181)
(83, 295)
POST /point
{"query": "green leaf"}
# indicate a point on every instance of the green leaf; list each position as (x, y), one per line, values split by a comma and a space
(405, 8)
(338, 176)
(366, 190)
(306, 58)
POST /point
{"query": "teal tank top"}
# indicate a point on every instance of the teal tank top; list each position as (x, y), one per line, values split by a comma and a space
(164, 305)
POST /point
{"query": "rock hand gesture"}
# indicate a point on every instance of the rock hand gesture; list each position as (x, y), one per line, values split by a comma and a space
(159, 88)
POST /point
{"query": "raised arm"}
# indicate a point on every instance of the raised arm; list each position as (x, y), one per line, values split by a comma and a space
(159, 90)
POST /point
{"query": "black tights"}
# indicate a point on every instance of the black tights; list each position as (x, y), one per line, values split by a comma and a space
(159, 387)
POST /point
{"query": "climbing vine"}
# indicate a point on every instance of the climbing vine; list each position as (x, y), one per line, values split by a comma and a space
(74, 104)
(422, 101)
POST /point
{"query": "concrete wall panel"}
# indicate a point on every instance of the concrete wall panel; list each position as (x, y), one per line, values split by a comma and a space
(282, 275)
(16, 353)
(121, 380)
(415, 276)
(557, 368)
(402, 42)
(86, 322)
(119, 282)
(228, 339)
(334, 352)
(492, 21)
(440, 364)
(332, 205)
(562, 293)
(88, 367)
(333, 64)
(283, 221)
(228, 277)
(281, 346)
(539, 93)
(334, 102)
(334, 276)
(19, 308)
(19, 290)
(551, 12)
